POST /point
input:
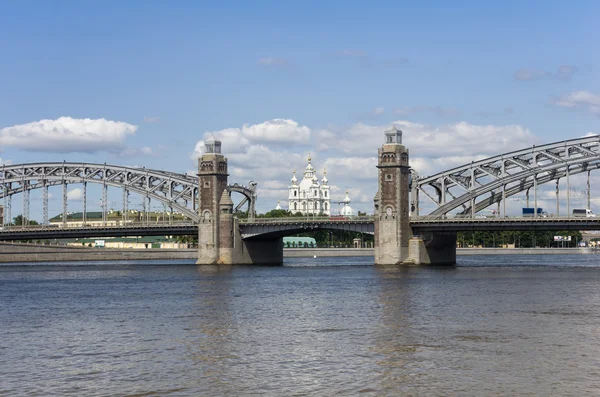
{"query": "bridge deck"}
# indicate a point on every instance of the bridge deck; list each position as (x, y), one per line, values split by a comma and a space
(501, 224)
(277, 227)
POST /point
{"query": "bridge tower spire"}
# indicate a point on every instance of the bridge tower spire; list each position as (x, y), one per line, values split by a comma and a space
(392, 225)
(212, 181)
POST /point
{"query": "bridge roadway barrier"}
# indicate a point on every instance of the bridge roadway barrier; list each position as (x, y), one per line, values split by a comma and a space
(287, 226)
(31, 253)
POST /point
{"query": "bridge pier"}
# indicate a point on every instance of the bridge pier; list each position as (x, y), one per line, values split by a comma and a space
(219, 238)
(432, 249)
(395, 243)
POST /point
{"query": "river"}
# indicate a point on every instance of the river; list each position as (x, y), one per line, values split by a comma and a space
(491, 326)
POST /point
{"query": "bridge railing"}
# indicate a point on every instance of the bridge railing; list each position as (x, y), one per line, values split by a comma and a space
(437, 219)
(312, 219)
(108, 225)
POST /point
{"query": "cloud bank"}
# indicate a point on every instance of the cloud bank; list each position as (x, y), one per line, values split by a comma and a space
(579, 100)
(268, 152)
(67, 135)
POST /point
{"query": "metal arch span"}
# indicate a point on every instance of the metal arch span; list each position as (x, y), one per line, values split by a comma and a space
(479, 184)
(177, 191)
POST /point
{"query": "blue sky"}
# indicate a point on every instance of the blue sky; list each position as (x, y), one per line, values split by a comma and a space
(343, 70)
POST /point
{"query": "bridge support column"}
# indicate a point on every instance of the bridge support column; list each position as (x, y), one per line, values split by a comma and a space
(432, 249)
(392, 226)
(394, 240)
(219, 238)
(212, 181)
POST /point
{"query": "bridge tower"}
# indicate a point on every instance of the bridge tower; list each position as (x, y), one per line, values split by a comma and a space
(219, 238)
(212, 182)
(392, 224)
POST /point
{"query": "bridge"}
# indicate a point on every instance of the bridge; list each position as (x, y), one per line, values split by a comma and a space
(178, 192)
(402, 233)
(281, 227)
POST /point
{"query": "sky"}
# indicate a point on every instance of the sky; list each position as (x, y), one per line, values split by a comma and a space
(142, 83)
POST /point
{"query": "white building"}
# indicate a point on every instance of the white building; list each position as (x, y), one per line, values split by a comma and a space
(309, 196)
(346, 209)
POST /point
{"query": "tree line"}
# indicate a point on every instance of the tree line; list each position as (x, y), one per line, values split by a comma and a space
(518, 239)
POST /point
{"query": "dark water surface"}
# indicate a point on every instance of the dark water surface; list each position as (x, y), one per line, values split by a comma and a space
(493, 326)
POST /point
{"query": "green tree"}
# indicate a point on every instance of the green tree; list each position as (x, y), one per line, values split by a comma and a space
(276, 214)
(18, 221)
(188, 239)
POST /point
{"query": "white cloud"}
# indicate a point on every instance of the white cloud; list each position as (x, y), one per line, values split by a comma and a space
(564, 72)
(147, 151)
(530, 74)
(352, 53)
(277, 130)
(66, 135)
(273, 61)
(580, 99)
(349, 154)
(238, 140)
(357, 168)
(436, 110)
(75, 194)
(141, 152)
(458, 139)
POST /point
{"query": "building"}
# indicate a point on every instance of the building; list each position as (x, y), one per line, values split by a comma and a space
(346, 209)
(309, 196)
(139, 242)
(114, 218)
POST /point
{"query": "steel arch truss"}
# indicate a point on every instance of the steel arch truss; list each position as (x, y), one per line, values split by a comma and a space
(475, 186)
(177, 191)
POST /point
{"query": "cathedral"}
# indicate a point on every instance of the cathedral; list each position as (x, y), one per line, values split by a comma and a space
(309, 196)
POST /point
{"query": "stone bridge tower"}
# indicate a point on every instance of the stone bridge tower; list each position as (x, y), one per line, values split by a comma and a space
(392, 223)
(219, 238)
(212, 182)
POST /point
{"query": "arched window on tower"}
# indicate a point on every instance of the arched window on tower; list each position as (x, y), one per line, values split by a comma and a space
(325, 193)
(304, 206)
(316, 193)
(295, 205)
(325, 206)
(316, 206)
(304, 194)
(295, 193)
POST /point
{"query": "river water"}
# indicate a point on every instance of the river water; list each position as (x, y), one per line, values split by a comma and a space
(492, 326)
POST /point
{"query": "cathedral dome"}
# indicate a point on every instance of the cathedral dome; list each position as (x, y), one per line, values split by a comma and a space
(307, 184)
(347, 198)
(346, 209)
(309, 171)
